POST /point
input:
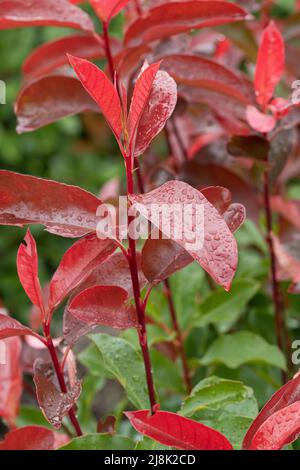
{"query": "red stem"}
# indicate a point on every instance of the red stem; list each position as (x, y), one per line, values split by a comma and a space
(140, 308)
(168, 293)
(280, 325)
(108, 50)
(60, 377)
(138, 7)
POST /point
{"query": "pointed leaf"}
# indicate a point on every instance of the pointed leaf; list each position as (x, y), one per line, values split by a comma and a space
(11, 327)
(235, 216)
(33, 438)
(176, 431)
(270, 64)
(77, 264)
(27, 265)
(259, 121)
(48, 99)
(11, 379)
(160, 106)
(174, 18)
(106, 10)
(51, 55)
(104, 305)
(101, 90)
(215, 250)
(53, 403)
(65, 210)
(18, 13)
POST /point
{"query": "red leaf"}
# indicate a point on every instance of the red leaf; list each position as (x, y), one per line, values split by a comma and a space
(52, 55)
(27, 265)
(106, 10)
(218, 196)
(260, 122)
(173, 430)
(77, 264)
(101, 90)
(140, 97)
(53, 403)
(279, 430)
(104, 305)
(215, 247)
(208, 74)
(283, 398)
(174, 18)
(160, 105)
(235, 216)
(11, 327)
(270, 64)
(18, 13)
(33, 438)
(48, 99)
(65, 210)
(10, 379)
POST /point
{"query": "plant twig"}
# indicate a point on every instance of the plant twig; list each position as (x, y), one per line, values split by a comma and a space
(138, 7)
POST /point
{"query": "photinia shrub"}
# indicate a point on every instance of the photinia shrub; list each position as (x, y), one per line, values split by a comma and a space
(189, 266)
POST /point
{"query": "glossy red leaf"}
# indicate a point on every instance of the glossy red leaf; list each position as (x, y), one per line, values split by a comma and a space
(52, 55)
(106, 10)
(207, 74)
(27, 265)
(53, 403)
(101, 90)
(176, 431)
(11, 327)
(235, 216)
(218, 196)
(259, 121)
(270, 64)
(287, 395)
(48, 99)
(77, 264)
(174, 18)
(160, 106)
(140, 97)
(218, 251)
(104, 305)
(11, 378)
(33, 438)
(64, 210)
(279, 430)
(18, 13)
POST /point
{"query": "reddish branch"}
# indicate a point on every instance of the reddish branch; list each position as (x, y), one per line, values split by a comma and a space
(60, 376)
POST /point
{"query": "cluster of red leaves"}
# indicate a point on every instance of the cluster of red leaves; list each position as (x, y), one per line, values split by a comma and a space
(95, 278)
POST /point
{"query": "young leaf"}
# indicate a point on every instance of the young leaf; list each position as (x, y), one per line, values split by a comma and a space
(160, 106)
(225, 405)
(101, 90)
(53, 403)
(51, 55)
(11, 327)
(33, 438)
(125, 364)
(279, 430)
(27, 265)
(48, 99)
(176, 431)
(216, 248)
(100, 441)
(43, 13)
(140, 97)
(174, 18)
(270, 64)
(64, 210)
(106, 10)
(284, 397)
(252, 349)
(77, 264)
(104, 305)
(11, 379)
(235, 216)
(259, 121)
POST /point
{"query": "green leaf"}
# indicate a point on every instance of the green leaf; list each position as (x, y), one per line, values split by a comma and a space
(30, 415)
(122, 361)
(149, 444)
(241, 348)
(92, 359)
(100, 442)
(223, 309)
(225, 405)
